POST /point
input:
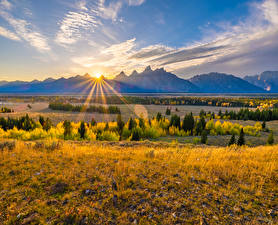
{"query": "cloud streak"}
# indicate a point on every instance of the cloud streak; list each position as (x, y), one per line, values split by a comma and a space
(8, 34)
(235, 47)
(88, 17)
(23, 29)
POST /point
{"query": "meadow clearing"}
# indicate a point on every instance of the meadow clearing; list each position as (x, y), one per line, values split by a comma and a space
(68, 182)
(162, 179)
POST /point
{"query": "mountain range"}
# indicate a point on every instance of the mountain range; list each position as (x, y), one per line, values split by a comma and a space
(149, 81)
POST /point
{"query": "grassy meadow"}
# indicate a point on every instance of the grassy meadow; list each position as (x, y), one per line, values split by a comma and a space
(141, 183)
(108, 177)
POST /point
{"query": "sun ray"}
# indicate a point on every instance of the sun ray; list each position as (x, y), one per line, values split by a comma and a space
(119, 95)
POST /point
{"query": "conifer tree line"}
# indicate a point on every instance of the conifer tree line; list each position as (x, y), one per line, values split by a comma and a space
(5, 110)
(83, 108)
(136, 129)
(24, 123)
(245, 114)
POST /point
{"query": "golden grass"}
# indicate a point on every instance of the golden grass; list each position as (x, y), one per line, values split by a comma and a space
(85, 183)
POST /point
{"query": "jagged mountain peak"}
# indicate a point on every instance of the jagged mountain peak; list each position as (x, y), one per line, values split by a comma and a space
(148, 69)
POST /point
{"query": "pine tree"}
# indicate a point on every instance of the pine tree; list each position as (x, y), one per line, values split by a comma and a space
(175, 121)
(158, 116)
(263, 125)
(241, 139)
(93, 122)
(120, 124)
(41, 120)
(142, 123)
(188, 123)
(270, 139)
(168, 111)
(204, 137)
(232, 140)
(47, 124)
(131, 124)
(82, 130)
(106, 126)
(67, 129)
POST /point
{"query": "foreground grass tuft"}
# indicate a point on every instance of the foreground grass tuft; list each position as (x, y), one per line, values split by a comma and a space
(81, 183)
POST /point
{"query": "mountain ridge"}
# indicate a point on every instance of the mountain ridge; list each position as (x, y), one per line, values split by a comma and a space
(150, 81)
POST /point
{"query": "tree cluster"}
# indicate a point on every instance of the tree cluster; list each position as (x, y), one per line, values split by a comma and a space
(84, 108)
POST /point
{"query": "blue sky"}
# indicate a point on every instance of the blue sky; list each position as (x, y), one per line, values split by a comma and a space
(54, 38)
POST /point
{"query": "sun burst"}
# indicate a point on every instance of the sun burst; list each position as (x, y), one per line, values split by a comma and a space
(97, 75)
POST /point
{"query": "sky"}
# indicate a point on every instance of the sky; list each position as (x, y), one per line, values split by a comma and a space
(55, 38)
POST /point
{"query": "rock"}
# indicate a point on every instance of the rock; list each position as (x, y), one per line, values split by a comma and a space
(12, 173)
(114, 185)
(89, 192)
(115, 200)
(65, 202)
(237, 209)
(30, 219)
(59, 188)
(52, 202)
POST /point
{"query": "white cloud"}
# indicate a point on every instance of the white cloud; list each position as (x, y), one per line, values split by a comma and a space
(23, 29)
(72, 25)
(27, 32)
(8, 34)
(110, 11)
(270, 11)
(237, 48)
(82, 5)
(5, 4)
(136, 2)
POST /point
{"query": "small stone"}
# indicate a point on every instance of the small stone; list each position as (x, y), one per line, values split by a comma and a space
(115, 200)
(59, 188)
(52, 202)
(89, 192)
(12, 173)
(114, 185)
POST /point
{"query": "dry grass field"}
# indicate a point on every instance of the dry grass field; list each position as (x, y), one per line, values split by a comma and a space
(141, 183)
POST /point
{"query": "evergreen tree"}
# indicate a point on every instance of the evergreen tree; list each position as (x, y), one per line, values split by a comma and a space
(93, 122)
(263, 125)
(67, 129)
(106, 126)
(232, 140)
(158, 116)
(204, 137)
(142, 123)
(175, 121)
(188, 123)
(82, 130)
(47, 124)
(241, 139)
(168, 111)
(120, 124)
(270, 139)
(131, 124)
(136, 134)
(41, 120)
(199, 127)
(203, 122)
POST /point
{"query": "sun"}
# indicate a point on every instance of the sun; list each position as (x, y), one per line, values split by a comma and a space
(97, 75)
